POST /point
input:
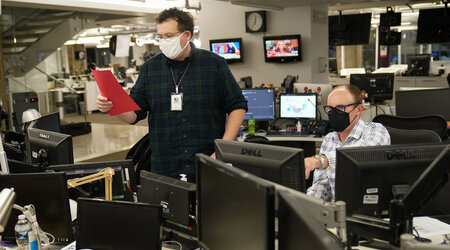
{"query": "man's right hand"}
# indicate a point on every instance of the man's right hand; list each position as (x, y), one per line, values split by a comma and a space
(103, 104)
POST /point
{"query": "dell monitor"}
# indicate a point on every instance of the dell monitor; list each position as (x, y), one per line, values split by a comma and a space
(432, 101)
(235, 209)
(298, 106)
(123, 180)
(282, 165)
(261, 103)
(349, 29)
(230, 49)
(176, 196)
(49, 195)
(48, 148)
(282, 49)
(49, 122)
(368, 178)
(379, 87)
(118, 225)
(297, 228)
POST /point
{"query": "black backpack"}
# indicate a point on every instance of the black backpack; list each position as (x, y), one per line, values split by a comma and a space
(140, 153)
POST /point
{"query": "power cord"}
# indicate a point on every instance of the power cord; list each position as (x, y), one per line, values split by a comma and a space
(30, 213)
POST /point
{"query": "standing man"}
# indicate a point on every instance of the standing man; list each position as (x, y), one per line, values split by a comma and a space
(187, 93)
(344, 110)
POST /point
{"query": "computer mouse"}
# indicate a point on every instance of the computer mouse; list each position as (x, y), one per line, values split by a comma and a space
(257, 139)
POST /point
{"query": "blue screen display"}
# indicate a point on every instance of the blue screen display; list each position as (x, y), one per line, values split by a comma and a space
(260, 104)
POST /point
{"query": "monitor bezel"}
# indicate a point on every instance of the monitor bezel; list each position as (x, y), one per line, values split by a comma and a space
(283, 59)
(229, 40)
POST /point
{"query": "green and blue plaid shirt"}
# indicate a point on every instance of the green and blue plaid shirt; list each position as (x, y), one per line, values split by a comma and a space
(209, 93)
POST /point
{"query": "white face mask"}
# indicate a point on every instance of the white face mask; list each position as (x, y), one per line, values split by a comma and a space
(171, 47)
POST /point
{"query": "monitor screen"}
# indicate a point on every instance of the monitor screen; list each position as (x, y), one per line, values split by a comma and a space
(49, 195)
(282, 165)
(261, 103)
(433, 26)
(300, 106)
(418, 65)
(118, 225)
(432, 101)
(177, 198)
(349, 29)
(235, 209)
(123, 185)
(282, 48)
(379, 87)
(297, 228)
(49, 148)
(379, 172)
(49, 122)
(230, 49)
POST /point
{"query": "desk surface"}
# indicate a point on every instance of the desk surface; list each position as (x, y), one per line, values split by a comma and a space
(106, 139)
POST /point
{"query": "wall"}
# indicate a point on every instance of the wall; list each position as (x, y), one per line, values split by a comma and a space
(219, 19)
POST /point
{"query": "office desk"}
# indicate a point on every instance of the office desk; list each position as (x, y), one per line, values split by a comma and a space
(106, 142)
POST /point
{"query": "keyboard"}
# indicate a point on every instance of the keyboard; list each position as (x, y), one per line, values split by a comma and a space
(285, 133)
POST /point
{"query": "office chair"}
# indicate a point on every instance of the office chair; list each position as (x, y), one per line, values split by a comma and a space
(435, 123)
(407, 136)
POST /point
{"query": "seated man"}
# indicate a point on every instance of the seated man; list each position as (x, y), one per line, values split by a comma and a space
(344, 110)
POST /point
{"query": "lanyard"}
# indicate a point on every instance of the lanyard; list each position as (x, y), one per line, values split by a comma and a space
(173, 77)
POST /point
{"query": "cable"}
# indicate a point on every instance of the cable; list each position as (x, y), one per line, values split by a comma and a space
(30, 213)
(390, 108)
(172, 241)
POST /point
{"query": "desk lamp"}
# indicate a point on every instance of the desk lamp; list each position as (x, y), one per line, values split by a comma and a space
(7, 198)
(106, 174)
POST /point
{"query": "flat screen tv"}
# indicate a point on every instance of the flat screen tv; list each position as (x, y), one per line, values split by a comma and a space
(349, 29)
(230, 49)
(281, 49)
(433, 26)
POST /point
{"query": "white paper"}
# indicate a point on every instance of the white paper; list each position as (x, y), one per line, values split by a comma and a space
(428, 227)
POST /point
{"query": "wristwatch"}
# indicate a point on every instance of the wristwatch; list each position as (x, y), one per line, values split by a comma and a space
(321, 159)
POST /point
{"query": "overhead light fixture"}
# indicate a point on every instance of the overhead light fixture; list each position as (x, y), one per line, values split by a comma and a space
(259, 6)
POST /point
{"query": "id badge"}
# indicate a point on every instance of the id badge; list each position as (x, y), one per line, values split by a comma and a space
(176, 102)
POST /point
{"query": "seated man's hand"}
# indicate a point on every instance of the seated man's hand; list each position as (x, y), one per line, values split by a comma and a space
(311, 163)
(103, 104)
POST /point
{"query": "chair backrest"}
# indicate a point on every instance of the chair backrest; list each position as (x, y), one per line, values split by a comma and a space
(436, 123)
(405, 136)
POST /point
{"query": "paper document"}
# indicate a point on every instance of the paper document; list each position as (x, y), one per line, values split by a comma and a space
(111, 89)
(428, 227)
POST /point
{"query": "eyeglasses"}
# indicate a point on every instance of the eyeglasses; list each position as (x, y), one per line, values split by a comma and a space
(328, 109)
(167, 36)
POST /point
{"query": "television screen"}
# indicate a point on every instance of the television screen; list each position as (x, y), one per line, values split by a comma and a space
(230, 49)
(349, 29)
(433, 26)
(282, 48)
(261, 103)
(300, 106)
(390, 19)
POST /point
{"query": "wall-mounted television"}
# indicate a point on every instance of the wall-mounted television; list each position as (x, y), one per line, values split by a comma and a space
(230, 49)
(281, 49)
(349, 29)
(433, 26)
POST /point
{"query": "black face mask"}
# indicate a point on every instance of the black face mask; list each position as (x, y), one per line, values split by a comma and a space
(339, 120)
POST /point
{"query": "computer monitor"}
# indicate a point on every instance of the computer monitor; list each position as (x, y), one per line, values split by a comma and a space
(123, 184)
(282, 165)
(432, 101)
(297, 228)
(298, 106)
(118, 225)
(235, 209)
(419, 65)
(177, 198)
(21, 167)
(433, 26)
(282, 49)
(48, 193)
(261, 103)
(48, 148)
(379, 87)
(349, 29)
(230, 49)
(49, 122)
(379, 174)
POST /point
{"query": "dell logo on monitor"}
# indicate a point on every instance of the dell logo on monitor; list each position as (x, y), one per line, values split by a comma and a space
(44, 136)
(251, 152)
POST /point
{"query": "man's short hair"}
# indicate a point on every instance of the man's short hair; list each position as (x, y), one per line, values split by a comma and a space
(354, 91)
(184, 19)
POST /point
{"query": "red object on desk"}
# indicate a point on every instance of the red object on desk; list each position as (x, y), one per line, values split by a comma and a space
(111, 89)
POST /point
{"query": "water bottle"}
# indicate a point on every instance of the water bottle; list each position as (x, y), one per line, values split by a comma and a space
(251, 125)
(22, 228)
